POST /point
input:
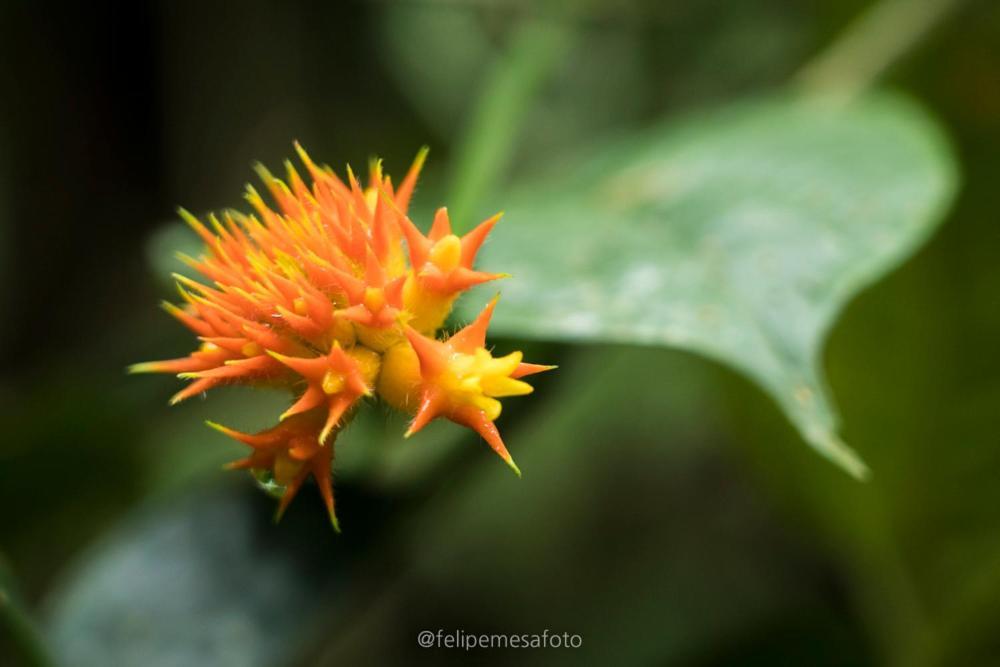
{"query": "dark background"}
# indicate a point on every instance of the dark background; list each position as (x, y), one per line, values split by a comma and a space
(718, 540)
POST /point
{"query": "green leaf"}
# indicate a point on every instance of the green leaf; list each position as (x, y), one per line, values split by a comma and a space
(738, 234)
(203, 579)
(166, 245)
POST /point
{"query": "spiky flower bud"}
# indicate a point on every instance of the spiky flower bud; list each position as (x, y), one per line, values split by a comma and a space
(321, 296)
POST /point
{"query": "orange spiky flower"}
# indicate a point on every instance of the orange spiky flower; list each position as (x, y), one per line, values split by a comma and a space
(320, 295)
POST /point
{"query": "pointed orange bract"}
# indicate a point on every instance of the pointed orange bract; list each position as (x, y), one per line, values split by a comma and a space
(442, 262)
(461, 381)
(292, 451)
(335, 381)
(333, 293)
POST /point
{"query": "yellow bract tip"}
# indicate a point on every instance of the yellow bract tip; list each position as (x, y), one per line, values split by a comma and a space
(215, 426)
(189, 217)
(421, 157)
(263, 172)
(513, 466)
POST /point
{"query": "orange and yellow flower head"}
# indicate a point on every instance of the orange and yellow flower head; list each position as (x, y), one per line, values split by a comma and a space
(335, 294)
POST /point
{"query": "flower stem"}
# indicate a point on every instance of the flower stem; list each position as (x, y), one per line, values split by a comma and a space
(870, 45)
(490, 136)
(20, 628)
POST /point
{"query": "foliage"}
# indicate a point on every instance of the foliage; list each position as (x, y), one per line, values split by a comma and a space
(659, 201)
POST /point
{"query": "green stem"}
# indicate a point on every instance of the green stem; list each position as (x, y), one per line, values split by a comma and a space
(871, 44)
(21, 629)
(491, 133)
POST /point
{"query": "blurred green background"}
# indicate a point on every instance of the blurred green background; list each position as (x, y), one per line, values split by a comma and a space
(669, 513)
